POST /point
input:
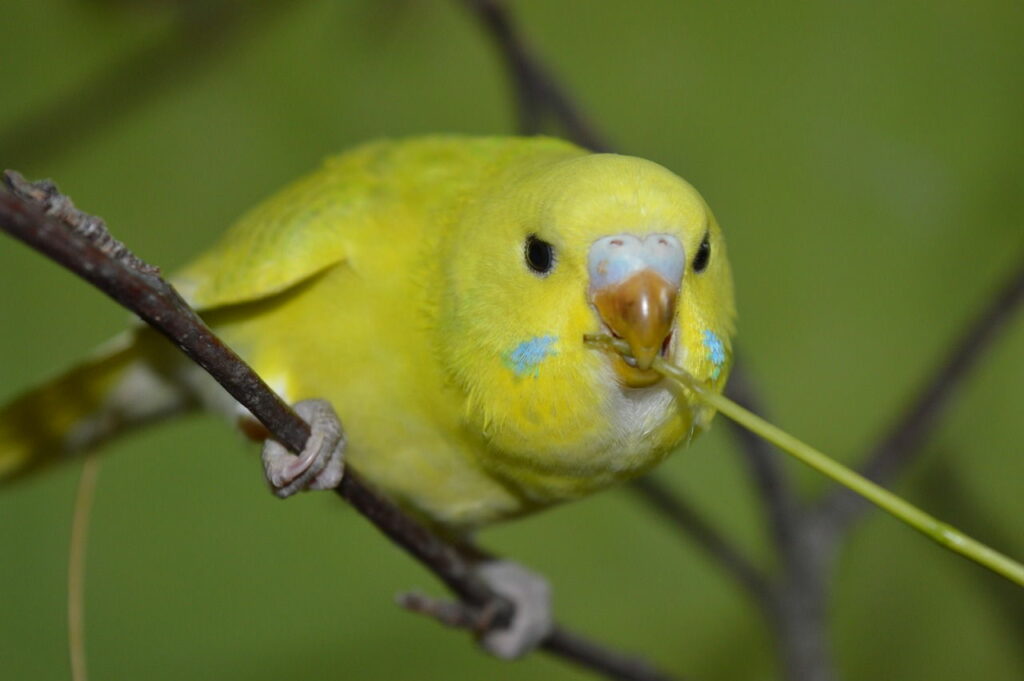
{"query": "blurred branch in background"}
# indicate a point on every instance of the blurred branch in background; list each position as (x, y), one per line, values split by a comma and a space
(38, 215)
(538, 94)
(891, 456)
(804, 536)
(944, 490)
(678, 511)
(201, 32)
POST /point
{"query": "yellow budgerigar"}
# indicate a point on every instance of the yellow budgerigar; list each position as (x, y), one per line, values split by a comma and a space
(436, 292)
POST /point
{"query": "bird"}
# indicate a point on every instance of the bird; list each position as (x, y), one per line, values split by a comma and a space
(432, 294)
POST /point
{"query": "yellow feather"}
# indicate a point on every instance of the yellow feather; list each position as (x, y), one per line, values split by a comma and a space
(392, 282)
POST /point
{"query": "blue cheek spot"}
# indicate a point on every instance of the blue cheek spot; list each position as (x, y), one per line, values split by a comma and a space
(525, 358)
(716, 351)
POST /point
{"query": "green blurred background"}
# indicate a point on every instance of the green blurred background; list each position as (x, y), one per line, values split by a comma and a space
(866, 160)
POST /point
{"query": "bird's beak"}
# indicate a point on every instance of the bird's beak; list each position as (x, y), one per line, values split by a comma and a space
(634, 285)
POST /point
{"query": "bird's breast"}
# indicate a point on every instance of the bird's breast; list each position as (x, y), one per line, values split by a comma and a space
(579, 433)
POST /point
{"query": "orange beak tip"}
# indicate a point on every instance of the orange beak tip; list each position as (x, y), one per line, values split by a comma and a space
(641, 311)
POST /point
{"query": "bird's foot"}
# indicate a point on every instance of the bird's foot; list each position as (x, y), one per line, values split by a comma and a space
(320, 465)
(532, 620)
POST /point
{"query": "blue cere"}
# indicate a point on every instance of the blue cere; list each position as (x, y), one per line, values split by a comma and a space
(527, 356)
(716, 351)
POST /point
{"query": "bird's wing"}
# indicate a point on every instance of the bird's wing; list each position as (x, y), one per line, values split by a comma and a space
(298, 233)
(321, 220)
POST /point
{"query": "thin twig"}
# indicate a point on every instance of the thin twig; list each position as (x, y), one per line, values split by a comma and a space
(45, 194)
(841, 507)
(454, 614)
(588, 655)
(76, 566)
(139, 288)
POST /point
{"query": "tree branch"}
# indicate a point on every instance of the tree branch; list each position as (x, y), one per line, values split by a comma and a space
(39, 216)
(561, 642)
(588, 655)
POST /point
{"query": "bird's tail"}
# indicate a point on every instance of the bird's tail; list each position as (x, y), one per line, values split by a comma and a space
(121, 386)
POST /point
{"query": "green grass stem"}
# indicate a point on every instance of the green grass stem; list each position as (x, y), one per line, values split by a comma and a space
(940, 532)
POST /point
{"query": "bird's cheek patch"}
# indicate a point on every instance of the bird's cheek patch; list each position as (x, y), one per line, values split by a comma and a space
(716, 351)
(525, 359)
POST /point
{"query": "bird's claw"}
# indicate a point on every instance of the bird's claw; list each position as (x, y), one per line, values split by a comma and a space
(320, 465)
(531, 622)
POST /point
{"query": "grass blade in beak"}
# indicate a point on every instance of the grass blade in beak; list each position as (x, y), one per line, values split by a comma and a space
(943, 534)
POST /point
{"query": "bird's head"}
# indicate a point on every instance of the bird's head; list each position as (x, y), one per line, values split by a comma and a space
(562, 245)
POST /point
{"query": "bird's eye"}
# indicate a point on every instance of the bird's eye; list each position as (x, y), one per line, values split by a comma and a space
(540, 255)
(700, 261)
